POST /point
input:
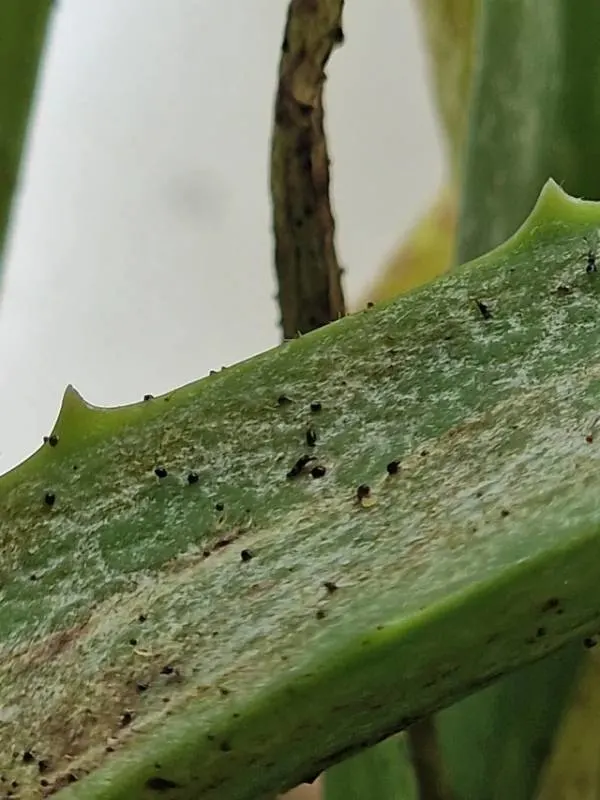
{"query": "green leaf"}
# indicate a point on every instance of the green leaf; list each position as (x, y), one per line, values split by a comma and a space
(201, 646)
(23, 26)
(381, 772)
(535, 113)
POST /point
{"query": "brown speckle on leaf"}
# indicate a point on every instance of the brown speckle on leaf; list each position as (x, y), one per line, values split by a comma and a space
(551, 604)
(158, 784)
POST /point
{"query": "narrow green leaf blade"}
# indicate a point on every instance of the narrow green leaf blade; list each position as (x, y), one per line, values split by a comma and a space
(379, 773)
(166, 643)
(535, 114)
(23, 25)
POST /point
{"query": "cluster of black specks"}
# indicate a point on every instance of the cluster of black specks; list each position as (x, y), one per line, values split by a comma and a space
(318, 471)
(246, 555)
(311, 437)
(300, 466)
(315, 407)
(158, 784)
(49, 499)
(284, 400)
(484, 309)
(51, 440)
(160, 472)
(192, 478)
(393, 468)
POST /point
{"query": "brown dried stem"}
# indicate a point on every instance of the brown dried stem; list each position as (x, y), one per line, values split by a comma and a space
(308, 272)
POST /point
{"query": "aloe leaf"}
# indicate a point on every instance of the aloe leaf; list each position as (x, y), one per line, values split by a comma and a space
(379, 773)
(22, 34)
(154, 642)
(535, 78)
(535, 113)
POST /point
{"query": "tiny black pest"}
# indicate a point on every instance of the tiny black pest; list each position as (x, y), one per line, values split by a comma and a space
(299, 466)
(591, 261)
(167, 670)
(219, 506)
(320, 614)
(246, 555)
(311, 437)
(283, 400)
(363, 491)
(192, 478)
(315, 407)
(148, 397)
(330, 586)
(49, 499)
(589, 642)
(318, 471)
(484, 309)
(160, 472)
(51, 440)
(393, 467)
(126, 718)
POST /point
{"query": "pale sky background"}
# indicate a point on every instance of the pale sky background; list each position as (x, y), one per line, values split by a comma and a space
(141, 249)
